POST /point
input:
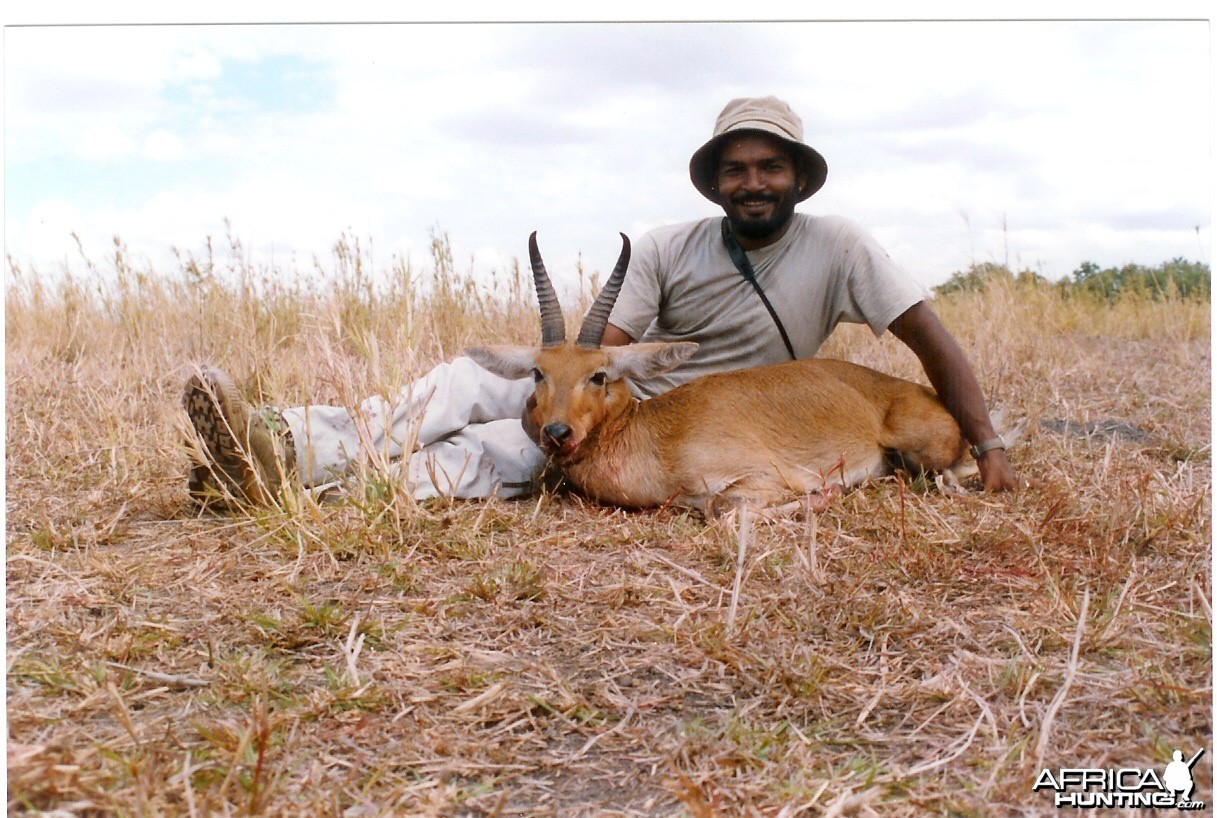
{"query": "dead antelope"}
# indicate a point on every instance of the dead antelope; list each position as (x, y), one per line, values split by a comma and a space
(755, 436)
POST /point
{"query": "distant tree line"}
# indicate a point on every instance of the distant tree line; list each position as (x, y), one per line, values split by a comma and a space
(1176, 278)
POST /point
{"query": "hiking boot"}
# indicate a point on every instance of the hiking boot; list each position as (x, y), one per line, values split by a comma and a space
(245, 454)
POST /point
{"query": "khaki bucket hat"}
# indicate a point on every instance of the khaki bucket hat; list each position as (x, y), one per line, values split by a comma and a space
(766, 114)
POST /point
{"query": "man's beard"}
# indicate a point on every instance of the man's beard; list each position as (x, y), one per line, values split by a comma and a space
(761, 228)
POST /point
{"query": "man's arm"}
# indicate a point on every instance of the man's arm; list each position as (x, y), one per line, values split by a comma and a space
(615, 336)
(952, 378)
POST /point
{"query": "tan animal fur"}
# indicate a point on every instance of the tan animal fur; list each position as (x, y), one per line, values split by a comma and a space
(756, 436)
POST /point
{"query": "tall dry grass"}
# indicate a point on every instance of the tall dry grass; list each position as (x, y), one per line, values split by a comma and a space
(905, 652)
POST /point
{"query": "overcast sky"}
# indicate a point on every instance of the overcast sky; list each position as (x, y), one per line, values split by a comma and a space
(1042, 143)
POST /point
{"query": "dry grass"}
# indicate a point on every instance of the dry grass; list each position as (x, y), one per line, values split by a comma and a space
(902, 653)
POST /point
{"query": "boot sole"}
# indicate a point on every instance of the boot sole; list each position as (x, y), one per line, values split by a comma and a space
(216, 412)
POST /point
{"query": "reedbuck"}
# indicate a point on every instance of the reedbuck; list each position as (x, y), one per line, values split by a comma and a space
(752, 436)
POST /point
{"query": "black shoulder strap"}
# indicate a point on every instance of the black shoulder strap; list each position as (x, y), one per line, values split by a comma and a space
(745, 267)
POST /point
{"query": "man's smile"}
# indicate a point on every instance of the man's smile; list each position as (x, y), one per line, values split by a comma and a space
(755, 205)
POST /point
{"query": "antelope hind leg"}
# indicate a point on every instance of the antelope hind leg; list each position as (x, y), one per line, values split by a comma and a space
(922, 434)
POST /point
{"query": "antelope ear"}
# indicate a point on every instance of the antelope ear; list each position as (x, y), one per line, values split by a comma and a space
(506, 361)
(645, 360)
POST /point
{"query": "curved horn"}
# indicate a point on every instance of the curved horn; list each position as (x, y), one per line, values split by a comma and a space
(553, 327)
(592, 331)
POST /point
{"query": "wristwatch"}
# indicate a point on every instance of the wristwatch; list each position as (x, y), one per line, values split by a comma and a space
(988, 446)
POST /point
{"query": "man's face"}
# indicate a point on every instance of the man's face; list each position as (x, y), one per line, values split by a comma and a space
(758, 185)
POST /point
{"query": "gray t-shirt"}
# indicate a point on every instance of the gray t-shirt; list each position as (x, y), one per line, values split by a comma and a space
(682, 286)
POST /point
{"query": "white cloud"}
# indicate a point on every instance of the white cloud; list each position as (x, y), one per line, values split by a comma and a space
(1089, 139)
(104, 140)
(163, 146)
(192, 65)
(46, 234)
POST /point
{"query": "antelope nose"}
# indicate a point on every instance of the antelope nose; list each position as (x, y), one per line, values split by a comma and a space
(557, 432)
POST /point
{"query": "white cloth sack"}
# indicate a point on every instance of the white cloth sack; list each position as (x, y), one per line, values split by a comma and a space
(455, 432)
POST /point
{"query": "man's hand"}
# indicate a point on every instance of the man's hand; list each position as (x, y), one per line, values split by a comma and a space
(996, 471)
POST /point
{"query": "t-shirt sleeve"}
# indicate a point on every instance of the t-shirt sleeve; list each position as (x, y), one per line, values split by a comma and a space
(641, 294)
(877, 290)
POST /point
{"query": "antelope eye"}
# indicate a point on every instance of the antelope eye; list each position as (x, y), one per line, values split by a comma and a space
(598, 379)
(537, 376)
